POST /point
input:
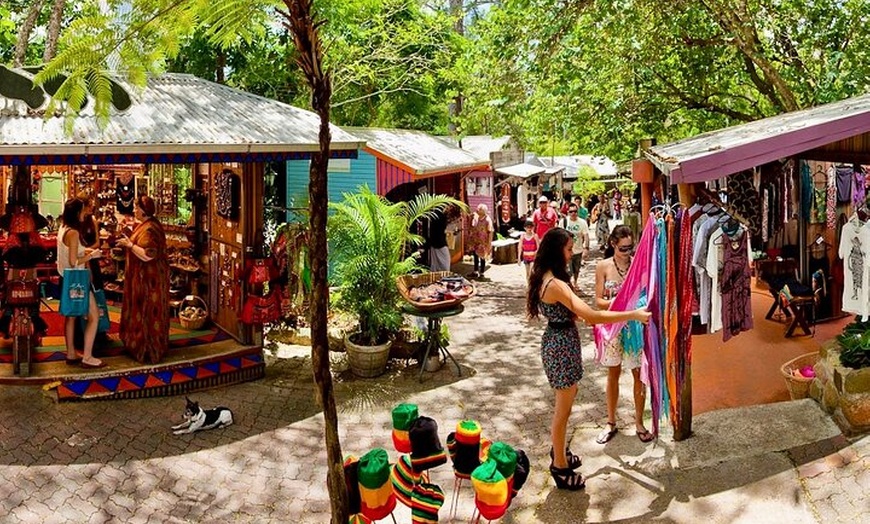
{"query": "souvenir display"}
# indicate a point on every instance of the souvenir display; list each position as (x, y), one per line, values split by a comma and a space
(227, 195)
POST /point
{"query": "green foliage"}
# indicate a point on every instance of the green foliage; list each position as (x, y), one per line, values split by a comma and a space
(587, 183)
(855, 344)
(369, 241)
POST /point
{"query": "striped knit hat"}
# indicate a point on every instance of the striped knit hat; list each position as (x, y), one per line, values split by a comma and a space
(359, 518)
(376, 495)
(464, 448)
(404, 479)
(427, 500)
(351, 468)
(426, 449)
(491, 492)
(506, 461)
(403, 416)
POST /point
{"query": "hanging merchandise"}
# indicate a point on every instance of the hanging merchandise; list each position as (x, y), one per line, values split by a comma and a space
(831, 198)
(125, 195)
(845, 174)
(227, 194)
(854, 249)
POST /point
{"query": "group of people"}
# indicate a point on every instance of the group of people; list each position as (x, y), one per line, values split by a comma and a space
(144, 326)
(545, 218)
(552, 295)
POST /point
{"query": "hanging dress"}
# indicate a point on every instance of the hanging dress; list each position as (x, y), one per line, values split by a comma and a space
(735, 287)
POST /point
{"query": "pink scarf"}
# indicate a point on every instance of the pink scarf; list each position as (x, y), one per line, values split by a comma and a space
(638, 279)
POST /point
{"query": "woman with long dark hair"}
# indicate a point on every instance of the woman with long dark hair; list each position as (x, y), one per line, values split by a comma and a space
(551, 295)
(72, 253)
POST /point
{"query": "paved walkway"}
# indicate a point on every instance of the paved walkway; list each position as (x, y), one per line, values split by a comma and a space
(119, 462)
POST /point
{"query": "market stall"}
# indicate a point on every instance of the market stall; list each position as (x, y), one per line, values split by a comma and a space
(204, 169)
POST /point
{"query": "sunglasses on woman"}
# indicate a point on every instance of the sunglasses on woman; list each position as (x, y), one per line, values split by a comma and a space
(625, 249)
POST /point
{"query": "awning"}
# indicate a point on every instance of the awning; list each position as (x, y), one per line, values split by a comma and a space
(521, 170)
(727, 151)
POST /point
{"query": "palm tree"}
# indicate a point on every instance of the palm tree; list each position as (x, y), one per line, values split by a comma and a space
(370, 240)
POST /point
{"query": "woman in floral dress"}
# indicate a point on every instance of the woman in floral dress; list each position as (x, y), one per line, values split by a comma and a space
(480, 239)
(551, 295)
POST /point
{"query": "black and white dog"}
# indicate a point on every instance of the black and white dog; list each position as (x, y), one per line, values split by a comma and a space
(198, 419)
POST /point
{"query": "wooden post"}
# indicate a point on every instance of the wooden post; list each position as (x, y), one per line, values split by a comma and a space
(684, 430)
(643, 172)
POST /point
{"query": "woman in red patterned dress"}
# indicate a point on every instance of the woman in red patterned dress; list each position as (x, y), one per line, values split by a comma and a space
(145, 313)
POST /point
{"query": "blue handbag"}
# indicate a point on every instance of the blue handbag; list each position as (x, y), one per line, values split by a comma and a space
(75, 294)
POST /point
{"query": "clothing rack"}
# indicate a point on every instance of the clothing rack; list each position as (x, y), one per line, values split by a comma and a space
(725, 208)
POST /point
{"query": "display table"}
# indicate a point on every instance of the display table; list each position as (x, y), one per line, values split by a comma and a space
(505, 251)
(433, 331)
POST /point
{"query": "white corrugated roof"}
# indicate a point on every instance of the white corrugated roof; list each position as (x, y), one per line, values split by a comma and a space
(175, 112)
(720, 153)
(521, 170)
(423, 153)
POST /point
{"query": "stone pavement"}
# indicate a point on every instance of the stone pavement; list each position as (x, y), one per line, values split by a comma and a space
(117, 461)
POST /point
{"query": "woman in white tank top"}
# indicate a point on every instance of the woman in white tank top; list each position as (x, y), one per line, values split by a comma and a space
(71, 254)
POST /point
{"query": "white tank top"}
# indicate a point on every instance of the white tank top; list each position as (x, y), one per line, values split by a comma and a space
(63, 251)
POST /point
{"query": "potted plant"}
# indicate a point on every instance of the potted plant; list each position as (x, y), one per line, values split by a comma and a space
(371, 243)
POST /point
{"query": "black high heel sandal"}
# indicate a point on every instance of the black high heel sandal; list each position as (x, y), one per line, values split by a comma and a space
(567, 478)
(574, 461)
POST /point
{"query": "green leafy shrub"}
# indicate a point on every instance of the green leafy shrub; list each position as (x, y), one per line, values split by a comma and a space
(855, 343)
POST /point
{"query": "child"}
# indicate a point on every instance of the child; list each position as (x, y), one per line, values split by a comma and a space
(529, 242)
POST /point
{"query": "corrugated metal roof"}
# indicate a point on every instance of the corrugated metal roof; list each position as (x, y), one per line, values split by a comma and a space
(421, 153)
(174, 112)
(521, 170)
(720, 153)
(480, 145)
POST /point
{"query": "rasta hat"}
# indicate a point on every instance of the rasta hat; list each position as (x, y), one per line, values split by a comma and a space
(427, 500)
(491, 491)
(376, 496)
(351, 468)
(359, 518)
(506, 461)
(403, 416)
(404, 479)
(426, 450)
(464, 448)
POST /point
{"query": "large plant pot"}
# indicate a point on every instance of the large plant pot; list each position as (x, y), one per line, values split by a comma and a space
(367, 361)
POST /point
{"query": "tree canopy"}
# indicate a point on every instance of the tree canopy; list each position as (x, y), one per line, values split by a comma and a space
(561, 76)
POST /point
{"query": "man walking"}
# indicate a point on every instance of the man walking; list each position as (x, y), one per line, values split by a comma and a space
(580, 229)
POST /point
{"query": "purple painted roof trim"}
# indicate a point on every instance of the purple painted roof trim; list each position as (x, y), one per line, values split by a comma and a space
(726, 151)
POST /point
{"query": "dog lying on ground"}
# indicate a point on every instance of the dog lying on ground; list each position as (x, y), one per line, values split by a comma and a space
(198, 419)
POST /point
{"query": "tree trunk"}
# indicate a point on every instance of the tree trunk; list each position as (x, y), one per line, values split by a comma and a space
(220, 67)
(302, 25)
(53, 30)
(24, 33)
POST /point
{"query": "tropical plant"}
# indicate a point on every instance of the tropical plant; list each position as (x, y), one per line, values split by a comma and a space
(370, 239)
(855, 343)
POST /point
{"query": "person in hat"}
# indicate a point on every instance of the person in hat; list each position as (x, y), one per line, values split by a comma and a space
(551, 295)
(544, 217)
(145, 311)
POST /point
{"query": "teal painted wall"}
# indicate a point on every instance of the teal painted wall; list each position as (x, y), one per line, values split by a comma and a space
(362, 171)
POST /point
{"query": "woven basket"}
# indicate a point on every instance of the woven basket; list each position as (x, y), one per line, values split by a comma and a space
(192, 324)
(798, 387)
(406, 282)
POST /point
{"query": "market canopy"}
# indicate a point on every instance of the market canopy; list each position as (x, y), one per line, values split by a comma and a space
(176, 118)
(727, 151)
(522, 170)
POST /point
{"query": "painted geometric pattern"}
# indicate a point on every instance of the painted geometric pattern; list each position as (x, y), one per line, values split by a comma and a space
(174, 379)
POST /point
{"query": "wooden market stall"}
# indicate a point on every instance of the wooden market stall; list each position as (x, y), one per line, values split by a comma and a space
(772, 176)
(199, 149)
